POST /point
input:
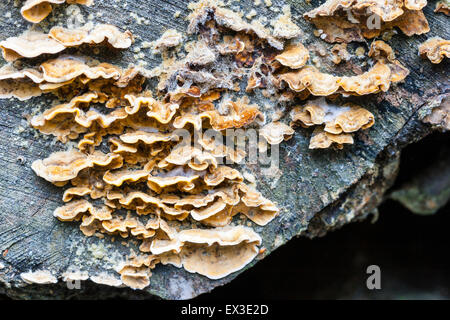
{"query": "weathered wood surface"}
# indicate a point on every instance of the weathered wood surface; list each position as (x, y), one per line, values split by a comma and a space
(318, 191)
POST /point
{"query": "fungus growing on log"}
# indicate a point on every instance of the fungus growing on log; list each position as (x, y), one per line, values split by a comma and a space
(435, 49)
(338, 121)
(378, 78)
(214, 253)
(443, 6)
(38, 277)
(32, 44)
(294, 56)
(346, 21)
(165, 182)
(37, 10)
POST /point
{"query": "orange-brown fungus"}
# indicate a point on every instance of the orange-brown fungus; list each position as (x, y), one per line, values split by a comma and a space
(337, 122)
(37, 10)
(32, 44)
(354, 20)
(443, 6)
(435, 49)
(385, 71)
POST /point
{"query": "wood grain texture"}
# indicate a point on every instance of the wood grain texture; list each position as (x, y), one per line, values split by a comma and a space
(318, 191)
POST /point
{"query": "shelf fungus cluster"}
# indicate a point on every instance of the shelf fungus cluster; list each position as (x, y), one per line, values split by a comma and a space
(67, 75)
(146, 166)
(354, 20)
(334, 124)
(435, 49)
(443, 6)
(32, 44)
(151, 171)
(37, 10)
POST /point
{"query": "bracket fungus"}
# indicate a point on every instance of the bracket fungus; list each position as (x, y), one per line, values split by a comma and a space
(169, 39)
(32, 44)
(214, 253)
(149, 170)
(346, 21)
(38, 277)
(294, 57)
(321, 139)
(379, 77)
(63, 166)
(337, 121)
(440, 115)
(284, 27)
(443, 6)
(435, 49)
(276, 132)
(37, 10)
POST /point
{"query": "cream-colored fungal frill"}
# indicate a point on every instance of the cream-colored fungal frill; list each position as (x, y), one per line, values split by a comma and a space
(337, 121)
(435, 49)
(321, 139)
(75, 209)
(294, 56)
(276, 132)
(171, 38)
(443, 6)
(62, 166)
(37, 10)
(354, 20)
(214, 253)
(136, 273)
(385, 71)
(284, 27)
(339, 52)
(52, 75)
(32, 44)
(66, 68)
(29, 45)
(16, 88)
(92, 34)
(106, 279)
(38, 277)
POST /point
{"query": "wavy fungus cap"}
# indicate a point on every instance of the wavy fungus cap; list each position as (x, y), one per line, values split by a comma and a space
(435, 49)
(37, 10)
(214, 253)
(32, 44)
